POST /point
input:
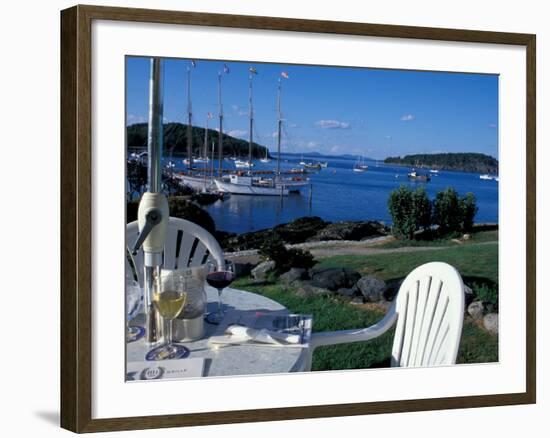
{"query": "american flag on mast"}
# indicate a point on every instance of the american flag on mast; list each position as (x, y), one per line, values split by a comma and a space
(193, 63)
(284, 74)
(210, 115)
(225, 69)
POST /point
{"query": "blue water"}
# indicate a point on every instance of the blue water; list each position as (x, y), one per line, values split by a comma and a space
(341, 194)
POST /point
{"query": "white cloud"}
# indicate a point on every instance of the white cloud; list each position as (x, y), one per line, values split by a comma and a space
(239, 110)
(335, 149)
(407, 118)
(132, 118)
(312, 145)
(237, 133)
(332, 124)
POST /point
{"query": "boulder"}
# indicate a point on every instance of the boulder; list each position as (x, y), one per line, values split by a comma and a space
(242, 269)
(468, 295)
(259, 273)
(371, 288)
(392, 288)
(490, 322)
(475, 310)
(350, 230)
(334, 278)
(306, 290)
(293, 275)
(346, 291)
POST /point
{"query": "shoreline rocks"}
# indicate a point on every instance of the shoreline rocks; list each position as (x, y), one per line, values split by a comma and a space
(302, 230)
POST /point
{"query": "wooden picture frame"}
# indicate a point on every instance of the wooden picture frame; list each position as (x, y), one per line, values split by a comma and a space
(76, 218)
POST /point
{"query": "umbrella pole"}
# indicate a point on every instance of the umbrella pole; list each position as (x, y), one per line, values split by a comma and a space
(153, 210)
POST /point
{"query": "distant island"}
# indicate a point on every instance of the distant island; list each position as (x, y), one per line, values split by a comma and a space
(175, 141)
(464, 162)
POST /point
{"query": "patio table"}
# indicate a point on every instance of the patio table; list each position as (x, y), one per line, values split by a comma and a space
(230, 360)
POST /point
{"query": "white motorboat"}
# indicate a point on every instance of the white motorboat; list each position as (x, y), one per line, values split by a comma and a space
(243, 164)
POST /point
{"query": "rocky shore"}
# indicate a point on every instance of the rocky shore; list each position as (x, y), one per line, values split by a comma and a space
(304, 230)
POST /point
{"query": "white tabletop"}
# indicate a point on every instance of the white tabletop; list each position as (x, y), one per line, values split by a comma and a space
(230, 360)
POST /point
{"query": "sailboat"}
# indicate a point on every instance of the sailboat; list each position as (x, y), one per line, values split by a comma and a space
(265, 159)
(360, 165)
(250, 184)
(197, 182)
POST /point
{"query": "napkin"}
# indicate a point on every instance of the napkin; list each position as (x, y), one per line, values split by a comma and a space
(238, 333)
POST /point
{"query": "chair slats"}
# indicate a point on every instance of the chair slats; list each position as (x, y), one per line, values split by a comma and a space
(187, 245)
(430, 308)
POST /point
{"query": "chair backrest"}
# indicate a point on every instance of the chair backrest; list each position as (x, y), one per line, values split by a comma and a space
(430, 312)
(187, 246)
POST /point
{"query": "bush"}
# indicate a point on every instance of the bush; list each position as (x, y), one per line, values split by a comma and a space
(453, 213)
(410, 210)
(488, 294)
(180, 208)
(468, 209)
(285, 259)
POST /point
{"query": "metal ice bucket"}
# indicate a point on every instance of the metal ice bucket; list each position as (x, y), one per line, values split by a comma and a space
(189, 324)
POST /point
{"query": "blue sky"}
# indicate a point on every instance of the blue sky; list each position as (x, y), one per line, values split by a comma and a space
(332, 110)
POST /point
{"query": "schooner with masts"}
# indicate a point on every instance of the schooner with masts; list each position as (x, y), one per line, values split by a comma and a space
(255, 184)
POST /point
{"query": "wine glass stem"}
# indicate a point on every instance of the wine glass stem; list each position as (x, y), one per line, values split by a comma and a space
(220, 302)
(168, 330)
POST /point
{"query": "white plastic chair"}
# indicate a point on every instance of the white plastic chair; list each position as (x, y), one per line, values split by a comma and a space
(429, 310)
(187, 246)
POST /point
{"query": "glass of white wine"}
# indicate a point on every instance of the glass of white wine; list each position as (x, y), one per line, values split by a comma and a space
(169, 297)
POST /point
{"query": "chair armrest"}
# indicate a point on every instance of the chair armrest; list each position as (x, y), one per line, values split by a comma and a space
(355, 335)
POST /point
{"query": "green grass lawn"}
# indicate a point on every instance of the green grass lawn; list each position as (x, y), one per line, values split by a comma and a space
(335, 313)
(477, 237)
(475, 262)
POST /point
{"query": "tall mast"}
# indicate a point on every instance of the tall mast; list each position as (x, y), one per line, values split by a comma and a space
(206, 139)
(189, 121)
(220, 132)
(279, 123)
(251, 117)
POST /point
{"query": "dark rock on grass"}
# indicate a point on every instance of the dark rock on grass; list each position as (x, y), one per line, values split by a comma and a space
(490, 322)
(349, 230)
(347, 292)
(392, 288)
(293, 275)
(468, 295)
(334, 278)
(306, 290)
(475, 310)
(260, 272)
(243, 269)
(371, 288)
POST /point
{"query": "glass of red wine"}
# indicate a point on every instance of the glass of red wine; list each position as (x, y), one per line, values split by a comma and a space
(219, 278)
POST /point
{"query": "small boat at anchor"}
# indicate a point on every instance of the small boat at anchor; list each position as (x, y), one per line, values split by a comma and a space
(418, 177)
(360, 165)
